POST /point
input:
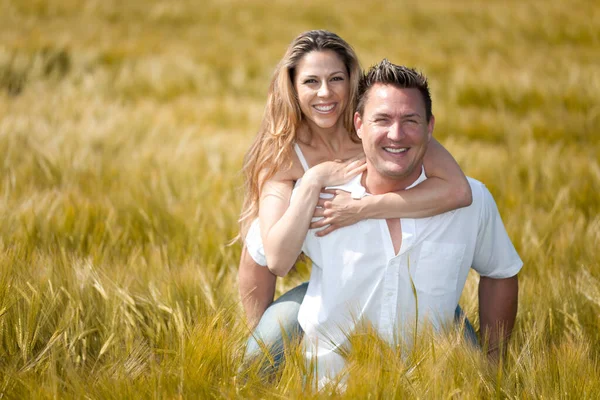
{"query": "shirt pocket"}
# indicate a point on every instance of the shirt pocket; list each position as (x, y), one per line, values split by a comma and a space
(438, 268)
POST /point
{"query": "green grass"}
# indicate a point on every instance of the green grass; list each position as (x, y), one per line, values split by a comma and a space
(122, 131)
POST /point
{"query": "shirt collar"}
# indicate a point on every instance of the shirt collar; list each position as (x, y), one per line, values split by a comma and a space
(420, 179)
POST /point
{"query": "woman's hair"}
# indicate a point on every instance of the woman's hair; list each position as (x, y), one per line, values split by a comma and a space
(271, 150)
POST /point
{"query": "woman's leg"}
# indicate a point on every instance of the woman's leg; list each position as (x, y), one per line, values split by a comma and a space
(469, 331)
(278, 326)
(257, 288)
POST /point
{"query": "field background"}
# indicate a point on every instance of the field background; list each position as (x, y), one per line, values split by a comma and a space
(122, 130)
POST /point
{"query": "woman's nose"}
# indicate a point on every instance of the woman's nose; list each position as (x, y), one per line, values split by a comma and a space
(323, 90)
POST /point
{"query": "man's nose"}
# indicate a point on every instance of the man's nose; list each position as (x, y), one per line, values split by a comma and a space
(396, 132)
(324, 89)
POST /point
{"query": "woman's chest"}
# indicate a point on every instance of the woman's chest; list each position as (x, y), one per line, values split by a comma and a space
(316, 155)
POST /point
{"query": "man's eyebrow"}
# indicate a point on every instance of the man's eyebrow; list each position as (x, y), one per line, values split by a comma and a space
(380, 114)
(411, 115)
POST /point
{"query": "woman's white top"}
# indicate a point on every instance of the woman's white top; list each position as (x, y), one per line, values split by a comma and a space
(253, 241)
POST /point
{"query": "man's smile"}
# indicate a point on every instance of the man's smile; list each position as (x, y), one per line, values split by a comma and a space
(396, 150)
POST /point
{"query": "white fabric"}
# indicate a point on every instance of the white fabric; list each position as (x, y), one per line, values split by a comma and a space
(253, 241)
(300, 155)
(356, 276)
(254, 244)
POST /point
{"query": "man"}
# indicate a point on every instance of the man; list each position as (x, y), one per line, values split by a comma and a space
(391, 273)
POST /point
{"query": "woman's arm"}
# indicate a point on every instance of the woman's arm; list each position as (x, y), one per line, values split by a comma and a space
(257, 288)
(284, 223)
(446, 189)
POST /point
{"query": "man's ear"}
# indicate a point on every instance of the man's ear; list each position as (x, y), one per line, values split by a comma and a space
(430, 127)
(358, 124)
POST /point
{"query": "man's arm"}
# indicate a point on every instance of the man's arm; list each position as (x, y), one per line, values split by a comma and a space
(497, 311)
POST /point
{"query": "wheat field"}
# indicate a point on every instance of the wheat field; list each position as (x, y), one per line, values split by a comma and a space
(122, 130)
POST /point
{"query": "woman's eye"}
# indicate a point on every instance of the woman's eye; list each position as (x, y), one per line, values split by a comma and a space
(337, 78)
(309, 81)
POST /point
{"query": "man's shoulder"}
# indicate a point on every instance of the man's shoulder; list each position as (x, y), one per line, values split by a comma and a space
(482, 197)
(477, 188)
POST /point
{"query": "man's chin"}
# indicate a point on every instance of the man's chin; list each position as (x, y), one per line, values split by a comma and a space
(396, 172)
(396, 175)
(399, 174)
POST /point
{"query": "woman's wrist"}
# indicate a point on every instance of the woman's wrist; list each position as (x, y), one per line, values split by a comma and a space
(312, 179)
(367, 207)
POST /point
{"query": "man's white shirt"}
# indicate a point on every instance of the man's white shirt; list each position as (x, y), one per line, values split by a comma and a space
(357, 277)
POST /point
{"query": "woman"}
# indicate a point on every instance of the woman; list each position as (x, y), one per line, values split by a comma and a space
(308, 123)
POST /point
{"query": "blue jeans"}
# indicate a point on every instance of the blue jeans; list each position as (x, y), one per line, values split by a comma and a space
(279, 326)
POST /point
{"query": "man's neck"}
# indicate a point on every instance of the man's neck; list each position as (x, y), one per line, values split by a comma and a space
(376, 183)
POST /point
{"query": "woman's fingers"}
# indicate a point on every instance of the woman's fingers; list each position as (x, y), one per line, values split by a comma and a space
(332, 173)
(359, 169)
(328, 192)
(324, 202)
(319, 224)
(355, 163)
(355, 168)
(326, 231)
(319, 212)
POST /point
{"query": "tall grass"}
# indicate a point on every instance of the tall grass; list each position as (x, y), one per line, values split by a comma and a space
(122, 130)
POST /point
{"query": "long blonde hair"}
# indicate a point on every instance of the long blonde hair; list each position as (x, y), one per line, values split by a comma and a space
(271, 149)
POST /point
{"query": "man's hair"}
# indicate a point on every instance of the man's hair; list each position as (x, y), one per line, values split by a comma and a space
(402, 77)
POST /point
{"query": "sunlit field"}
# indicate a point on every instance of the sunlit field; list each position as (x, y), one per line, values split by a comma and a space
(123, 125)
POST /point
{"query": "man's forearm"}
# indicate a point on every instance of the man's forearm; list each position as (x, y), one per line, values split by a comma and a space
(498, 300)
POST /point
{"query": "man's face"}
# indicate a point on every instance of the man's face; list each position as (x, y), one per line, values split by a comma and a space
(394, 132)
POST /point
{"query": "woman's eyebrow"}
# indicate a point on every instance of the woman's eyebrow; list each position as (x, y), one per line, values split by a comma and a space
(316, 76)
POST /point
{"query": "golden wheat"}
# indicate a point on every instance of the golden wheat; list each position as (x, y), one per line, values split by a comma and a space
(122, 130)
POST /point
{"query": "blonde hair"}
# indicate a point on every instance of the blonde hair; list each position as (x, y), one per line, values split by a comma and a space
(271, 150)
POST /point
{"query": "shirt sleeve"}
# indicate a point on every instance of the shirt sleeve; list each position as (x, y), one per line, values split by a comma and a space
(495, 255)
(254, 244)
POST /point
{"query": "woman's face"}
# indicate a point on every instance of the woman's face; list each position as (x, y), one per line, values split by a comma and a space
(323, 86)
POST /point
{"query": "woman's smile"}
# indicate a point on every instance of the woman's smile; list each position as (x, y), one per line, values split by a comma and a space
(323, 88)
(325, 108)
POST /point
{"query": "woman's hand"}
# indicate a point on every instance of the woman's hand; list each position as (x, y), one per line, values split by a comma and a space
(285, 220)
(336, 212)
(333, 173)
